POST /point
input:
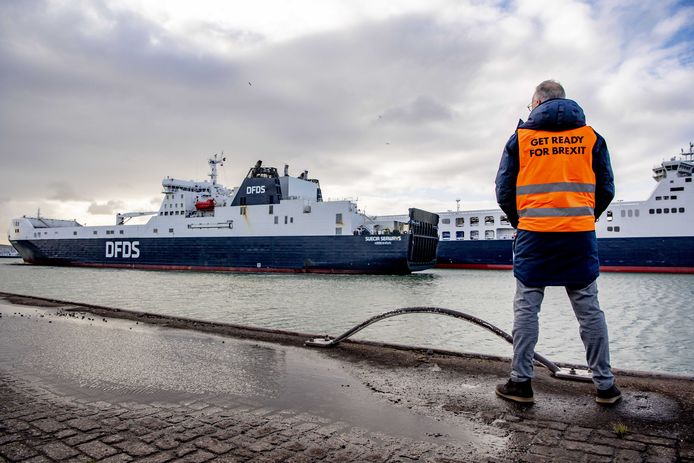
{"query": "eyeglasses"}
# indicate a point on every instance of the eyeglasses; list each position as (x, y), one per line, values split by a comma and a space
(530, 107)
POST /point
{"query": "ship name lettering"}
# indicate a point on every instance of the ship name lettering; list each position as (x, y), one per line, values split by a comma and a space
(123, 249)
(250, 190)
(383, 238)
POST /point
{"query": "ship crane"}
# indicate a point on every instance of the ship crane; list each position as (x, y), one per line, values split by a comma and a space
(122, 219)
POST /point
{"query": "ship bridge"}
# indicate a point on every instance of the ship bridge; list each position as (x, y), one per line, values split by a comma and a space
(684, 167)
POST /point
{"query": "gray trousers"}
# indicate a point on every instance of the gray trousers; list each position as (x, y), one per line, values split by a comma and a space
(593, 330)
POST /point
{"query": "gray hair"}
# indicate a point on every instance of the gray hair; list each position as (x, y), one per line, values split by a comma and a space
(548, 90)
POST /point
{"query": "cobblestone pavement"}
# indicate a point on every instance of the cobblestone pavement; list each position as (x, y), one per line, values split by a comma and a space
(46, 417)
(38, 426)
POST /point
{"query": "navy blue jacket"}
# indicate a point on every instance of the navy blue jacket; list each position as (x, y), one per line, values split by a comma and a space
(554, 258)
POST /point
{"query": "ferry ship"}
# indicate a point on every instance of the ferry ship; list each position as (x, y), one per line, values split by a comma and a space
(270, 223)
(655, 235)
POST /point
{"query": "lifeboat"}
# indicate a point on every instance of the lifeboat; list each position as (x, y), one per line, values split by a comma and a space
(206, 205)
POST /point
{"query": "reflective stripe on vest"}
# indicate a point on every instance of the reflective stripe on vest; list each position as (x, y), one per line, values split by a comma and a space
(555, 190)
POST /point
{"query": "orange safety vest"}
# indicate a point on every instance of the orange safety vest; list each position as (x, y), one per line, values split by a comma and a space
(555, 190)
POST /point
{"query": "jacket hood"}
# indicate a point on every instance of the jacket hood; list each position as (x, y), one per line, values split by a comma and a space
(555, 115)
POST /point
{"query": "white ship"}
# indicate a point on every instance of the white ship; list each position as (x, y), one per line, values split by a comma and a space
(270, 223)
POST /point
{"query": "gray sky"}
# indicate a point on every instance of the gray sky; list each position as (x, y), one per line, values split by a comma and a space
(398, 104)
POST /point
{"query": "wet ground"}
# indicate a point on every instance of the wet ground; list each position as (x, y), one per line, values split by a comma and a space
(163, 389)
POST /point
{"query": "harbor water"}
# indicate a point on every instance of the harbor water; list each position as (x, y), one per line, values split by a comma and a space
(650, 316)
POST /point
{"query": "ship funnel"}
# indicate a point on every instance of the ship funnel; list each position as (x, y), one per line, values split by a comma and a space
(286, 170)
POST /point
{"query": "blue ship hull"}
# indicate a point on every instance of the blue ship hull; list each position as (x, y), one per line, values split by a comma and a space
(320, 254)
(666, 255)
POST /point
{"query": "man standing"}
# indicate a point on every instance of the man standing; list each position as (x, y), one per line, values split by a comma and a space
(553, 183)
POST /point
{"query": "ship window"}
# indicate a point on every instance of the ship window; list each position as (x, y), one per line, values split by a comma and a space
(489, 220)
(156, 230)
(489, 234)
(666, 210)
(616, 228)
(503, 220)
(659, 211)
(666, 197)
(242, 209)
(674, 210)
(658, 198)
(677, 188)
(681, 209)
(291, 219)
(630, 213)
(609, 216)
(338, 231)
(445, 221)
(688, 179)
(74, 233)
(120, 232)
(459, 221)
(170, 230)
(459, 235)
(636, 213)
(609, 228)
(673, 197)
(95, 232)
(276, 220)
(474, 221)
(271, 209)
(474, 235)
(446, 235)
(338, 218)
(624, 213)
(285, 219)
(181, 196)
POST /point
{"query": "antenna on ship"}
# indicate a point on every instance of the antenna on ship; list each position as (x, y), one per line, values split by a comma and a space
(457, 205)
(213, 161)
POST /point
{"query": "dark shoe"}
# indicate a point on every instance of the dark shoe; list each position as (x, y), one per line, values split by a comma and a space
(518, 392)
(608, 396)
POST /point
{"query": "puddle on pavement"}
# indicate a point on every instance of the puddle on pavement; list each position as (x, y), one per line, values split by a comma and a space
(119, 360)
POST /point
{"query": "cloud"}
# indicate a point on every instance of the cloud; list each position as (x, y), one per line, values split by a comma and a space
(102, 99)
(420, 111)
(62, 191)
(108, 208)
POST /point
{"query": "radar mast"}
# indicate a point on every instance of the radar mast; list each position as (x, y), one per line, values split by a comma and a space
(213, 161)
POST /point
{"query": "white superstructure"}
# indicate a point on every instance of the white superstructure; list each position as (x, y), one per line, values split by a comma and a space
(206, 208)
